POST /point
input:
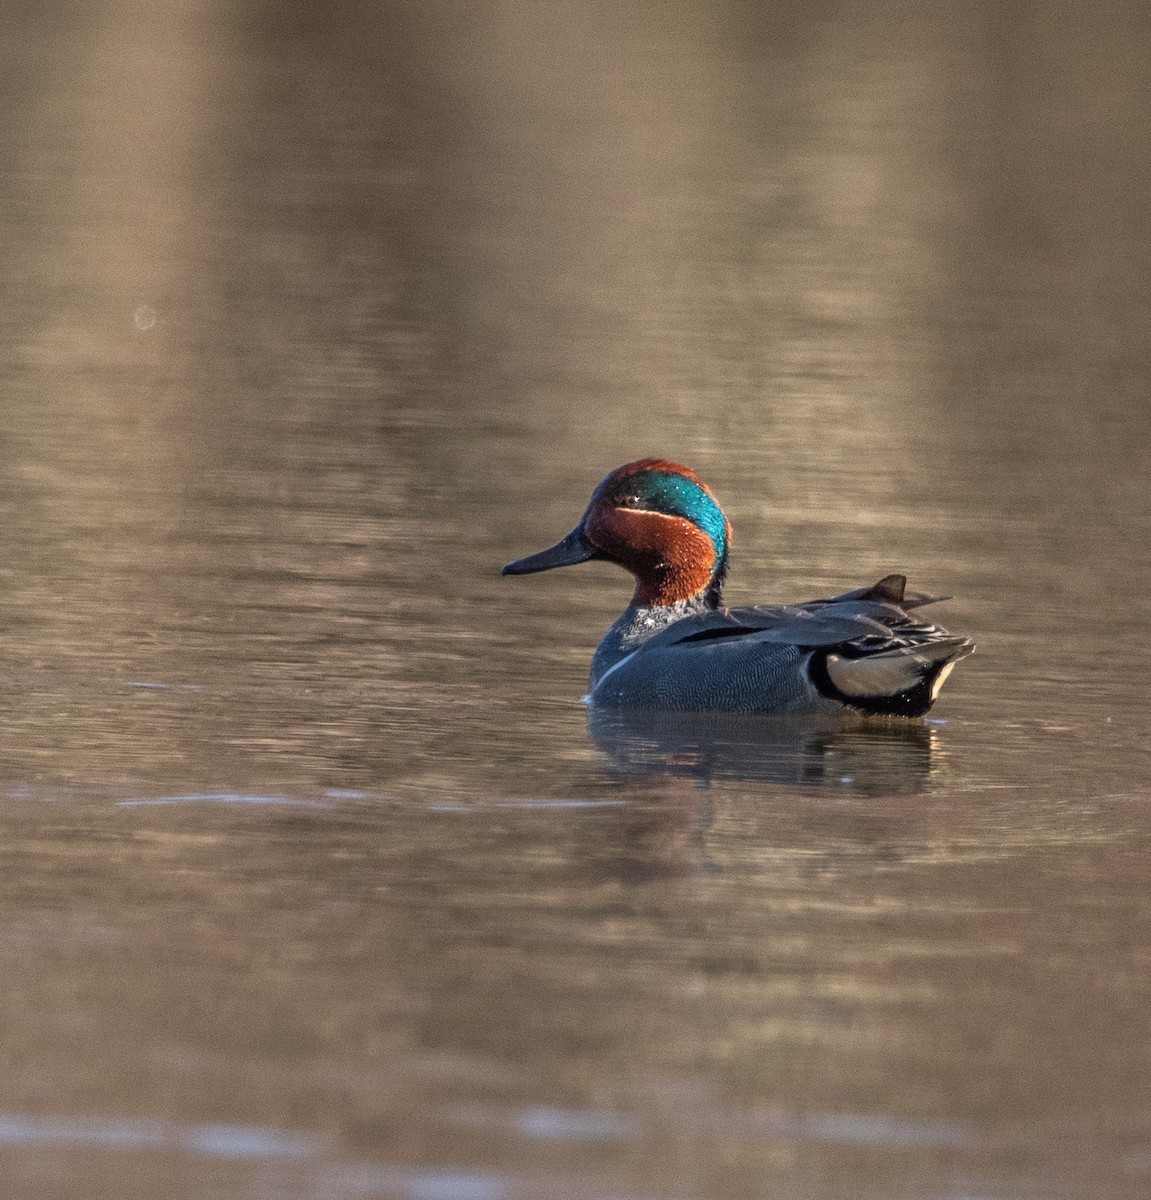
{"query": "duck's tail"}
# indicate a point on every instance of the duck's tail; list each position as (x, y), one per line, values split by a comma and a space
(899, 681)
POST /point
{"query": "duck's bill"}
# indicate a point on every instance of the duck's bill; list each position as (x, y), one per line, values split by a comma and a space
(573, 549)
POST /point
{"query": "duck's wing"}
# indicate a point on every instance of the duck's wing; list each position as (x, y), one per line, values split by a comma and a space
(873, 615)
(788, 624)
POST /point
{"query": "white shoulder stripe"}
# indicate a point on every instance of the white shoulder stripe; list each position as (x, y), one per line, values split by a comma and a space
(614, 667)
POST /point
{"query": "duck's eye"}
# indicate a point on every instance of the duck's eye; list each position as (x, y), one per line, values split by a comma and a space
(628, 501)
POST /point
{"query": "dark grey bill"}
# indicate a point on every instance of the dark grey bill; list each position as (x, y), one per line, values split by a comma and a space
(573, 549)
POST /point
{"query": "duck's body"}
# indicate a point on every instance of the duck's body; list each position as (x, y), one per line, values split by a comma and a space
(675, 648)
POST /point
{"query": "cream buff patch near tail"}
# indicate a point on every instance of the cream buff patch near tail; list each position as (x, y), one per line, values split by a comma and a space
(893, 671)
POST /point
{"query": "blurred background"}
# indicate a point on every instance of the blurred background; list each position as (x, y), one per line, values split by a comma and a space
(317, 882)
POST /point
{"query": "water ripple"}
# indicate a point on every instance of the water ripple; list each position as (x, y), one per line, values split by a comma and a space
(238, 798)
(115, 1133)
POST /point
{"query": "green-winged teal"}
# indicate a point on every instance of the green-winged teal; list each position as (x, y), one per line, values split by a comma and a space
(676, 648)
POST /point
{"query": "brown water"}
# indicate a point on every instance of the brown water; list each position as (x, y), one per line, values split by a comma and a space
(316, 883)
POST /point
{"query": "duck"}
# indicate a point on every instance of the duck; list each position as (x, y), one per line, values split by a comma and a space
(677, 648)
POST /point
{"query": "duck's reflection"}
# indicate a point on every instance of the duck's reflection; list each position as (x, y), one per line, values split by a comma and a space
(874, 758)
(667, 762)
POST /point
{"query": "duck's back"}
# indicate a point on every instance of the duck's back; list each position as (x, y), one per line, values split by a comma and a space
(861, 651)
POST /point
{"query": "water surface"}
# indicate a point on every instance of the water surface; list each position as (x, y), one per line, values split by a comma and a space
(316, 880)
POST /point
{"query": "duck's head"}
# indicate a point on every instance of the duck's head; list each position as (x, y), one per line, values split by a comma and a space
(658, 520)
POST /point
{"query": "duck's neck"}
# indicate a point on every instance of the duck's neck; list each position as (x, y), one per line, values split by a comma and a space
(685, 574)
(668, 588)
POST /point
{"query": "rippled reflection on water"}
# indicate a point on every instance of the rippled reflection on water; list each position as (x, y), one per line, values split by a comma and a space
(317, 878)
(880, 756)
